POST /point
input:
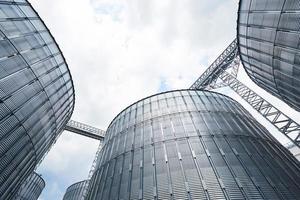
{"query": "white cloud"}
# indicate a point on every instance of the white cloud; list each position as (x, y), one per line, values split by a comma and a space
(113, 61)
(68, 161)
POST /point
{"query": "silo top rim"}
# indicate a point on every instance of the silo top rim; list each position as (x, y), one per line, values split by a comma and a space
(169, 91)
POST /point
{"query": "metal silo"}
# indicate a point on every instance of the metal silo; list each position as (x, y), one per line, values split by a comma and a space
(36, 93)
(31, 188)
(269, 45)
(76, 191)
(190, 144)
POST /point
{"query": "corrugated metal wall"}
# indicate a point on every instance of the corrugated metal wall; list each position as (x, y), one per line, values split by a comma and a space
(75, 191)
(36, 93)
(31, 188)
(192, 145)
(269, 45)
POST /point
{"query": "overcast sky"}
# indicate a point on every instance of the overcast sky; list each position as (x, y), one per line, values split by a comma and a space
(120, 51)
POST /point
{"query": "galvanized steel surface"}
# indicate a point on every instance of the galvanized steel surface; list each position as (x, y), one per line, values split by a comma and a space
(36, 93)
(192, 145)
(269, 45)
(76, 191)
(31, 188)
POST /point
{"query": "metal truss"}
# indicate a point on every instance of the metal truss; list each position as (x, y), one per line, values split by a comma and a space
(233, 69)
(92, 132)
(85, 130)
(214, 70)
(209, 80)
(91, 172)
(282, 122)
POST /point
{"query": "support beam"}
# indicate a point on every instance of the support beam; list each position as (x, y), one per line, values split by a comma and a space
(85, 130)
(221, 63)
(282, 122)
(218, 71)
(92, 170)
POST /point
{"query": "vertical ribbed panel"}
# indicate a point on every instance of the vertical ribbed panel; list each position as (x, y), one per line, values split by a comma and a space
(124, 187)
(191, 144)
(75, 191)
(31, 188)
(162, 179)
(135, 179)
(148, 173)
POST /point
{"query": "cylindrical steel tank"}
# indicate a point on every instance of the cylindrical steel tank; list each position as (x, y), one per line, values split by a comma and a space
(31, 188)
(76, 191)
(190, 144)
(36, 93)
(269, 45)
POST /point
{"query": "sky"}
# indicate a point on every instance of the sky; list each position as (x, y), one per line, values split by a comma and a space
(121, 51)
